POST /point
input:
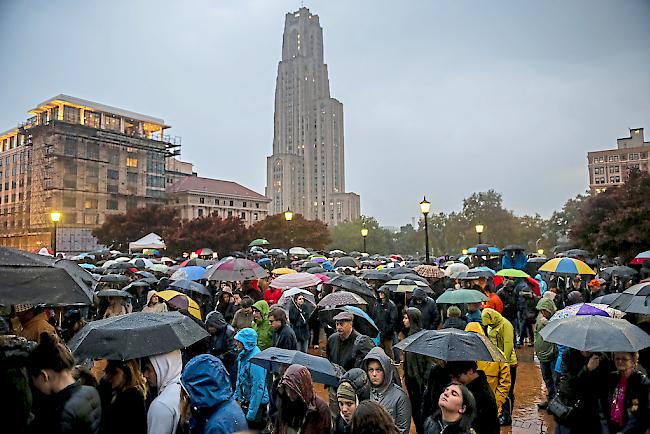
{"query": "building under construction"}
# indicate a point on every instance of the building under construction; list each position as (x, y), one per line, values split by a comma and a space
(82, 159)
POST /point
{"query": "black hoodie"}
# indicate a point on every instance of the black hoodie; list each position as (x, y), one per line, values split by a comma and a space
(428, 308)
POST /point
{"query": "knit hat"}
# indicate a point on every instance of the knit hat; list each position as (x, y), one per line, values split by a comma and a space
(23, 307)
(346, 391)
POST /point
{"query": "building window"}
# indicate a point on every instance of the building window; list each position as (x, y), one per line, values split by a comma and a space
(112, 174)
(201, 200)
(111, 122)
(92, 151)
(71, 114)
(256, 216)
(70, 147)
(232, 203)
(111, 188)
(131, 162)
(131, 178)
(92, 170)
(200, 212)
(243, 216)
(131, 202)
(70, 183)
(257, 205)
(91, 219)
(243, 204)
(69, 201)
(90, 204)
(92, 119)
(229, 214)
(216, 201)
(111, 204)
(113, 157)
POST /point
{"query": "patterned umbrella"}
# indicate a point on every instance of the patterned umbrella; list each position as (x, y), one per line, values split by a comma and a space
(296, 280)
(405, 285)
(236, 269)
(340, 298)
(430, 271)
(566, 266)
(455, 268)
(204, 251)
(579, 309)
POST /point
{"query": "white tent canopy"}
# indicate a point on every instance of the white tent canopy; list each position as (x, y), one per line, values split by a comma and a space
(151, 241)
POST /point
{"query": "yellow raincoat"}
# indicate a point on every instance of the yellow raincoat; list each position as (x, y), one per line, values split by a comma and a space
(501, 333)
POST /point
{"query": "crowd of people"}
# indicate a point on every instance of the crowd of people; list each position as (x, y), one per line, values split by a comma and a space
(214, 387)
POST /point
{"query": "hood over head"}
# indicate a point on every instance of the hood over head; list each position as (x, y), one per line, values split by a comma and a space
(474, 327)
(538, 276)
(298, 379)
(385, 290)
(248, 337)
(168, 368)
(215, 319)
(378, 354)
(151, 294)
(415, 319)
(574, 297)
(263, 307)
(491, 317)
(546, 304)
(358, 378)
(206, 381)
(419, 295)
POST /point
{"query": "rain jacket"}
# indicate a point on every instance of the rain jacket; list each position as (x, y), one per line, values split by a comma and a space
(74, 410)
(284, 337)
(34, 327)
(262, 327)
(158, 307)
(298, 317)
(222, 344)
(164, 411)
(501, 333)
(546, 351)
(317, 419)
(428, 307)
(272, 295)
(214, 410)
(517, 261)
(543, 286)
(497, 373)
(385, 315)
(251, 378)
(391, 396)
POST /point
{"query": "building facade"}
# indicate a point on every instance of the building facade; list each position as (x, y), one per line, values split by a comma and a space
(611, 167)
(196, 197)
(306, 172)
(83, 159)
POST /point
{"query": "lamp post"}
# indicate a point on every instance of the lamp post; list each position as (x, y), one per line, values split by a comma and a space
(425, 207)
(364, 234)
(465, 252)
(479, 230)
(288, 216)
(55, 216)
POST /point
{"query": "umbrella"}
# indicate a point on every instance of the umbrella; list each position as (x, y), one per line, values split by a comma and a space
(204, 251)
(138, 283)
(352, 284)
(641, 258)
(236, 269)
(512, 272)
(258, 242)
(275, 252)
(141, 263)
(474, 274)
(124, 265)
(316, 270)
(113, 293)
(567, 266)
(192, 272)
(295, 280)
(405, 285)
(596, 334)
(618, 271)
(361, 322)
(513, 248)
(398, 270)
(306, 265)
(635, 299)
(87, 266)
(337, 253)
(430, 271)
(460, 296)
(286, 300)
(180, 301)
(298, 251)
(582, 309)
(114, 278)
(456, 268)
(347, 261)
(340, 298)
(537, 260)
(576, 253)
(376, 275)
(412, 276)
(282, 271)
(135, 335)
(144, 274)
(185, 285)
(452, 345)
(273, 359)
(198, 262)
(606, 299)
(483, 250)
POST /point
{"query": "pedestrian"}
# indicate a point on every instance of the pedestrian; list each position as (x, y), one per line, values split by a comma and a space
(72, 323)
(225, 304)
(123, 392)
(68, 407)
(33, 321)
(164, 373)
(299, 317)
(502, 334)
(115, 307)
(244, 316)
(428, 307)
(261, 324)
(153, 303)
(486, 420)
(283, 335)
(543, 286)
(594, 290)
(526, 312)
(272, 295)
(494, 301)
(384, 315)
(496, 373)
(251, 391)
(221, 343)
(454, 321)
(353, 388)
(438, 379)
(250, 288)
(546, 351)
(455, 414)
(208, 403)
(392, 397)
(300, 409)
(628, 396)
(416, 368)
(473, 313)
(371, 418)
(509, 299)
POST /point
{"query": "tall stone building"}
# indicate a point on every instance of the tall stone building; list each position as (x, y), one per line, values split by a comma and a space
(306, 172)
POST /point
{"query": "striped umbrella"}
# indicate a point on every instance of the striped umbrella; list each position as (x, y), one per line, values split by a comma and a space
(406, 285)
(570, 266)
(296, 280)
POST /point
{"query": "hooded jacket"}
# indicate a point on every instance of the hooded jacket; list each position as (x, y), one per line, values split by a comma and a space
(543, 286)
(391, 396)
(158, 307)
(384, 315)
(546, 351)
(262, 327)
(317, 419)
(272, 295)
(285, 337)
(496, 373)
(214, 410)
(428, 307)
(164, 411)
(501, 333)
(251, 378)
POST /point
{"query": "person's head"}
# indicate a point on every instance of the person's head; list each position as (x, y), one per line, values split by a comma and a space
(215, 322)
(453, 312)
(49, 364)
(463, 372)
(257, 315)
(576, 282)
(375, 372)
(152, 298)
(574, 297)
(246, 305)
(344, 321)
(25, 312)
(626, 363)
(114, 301)
(412, 319)
(225, 297)
(406, 321)
(122, 375)
(163, 369)
(347, 399)
(457, 404)
(594, 286)
(473, 307)
(149, 373)
(236, 296)
(481, 281)
(277, 317)
(299, 299)
(371, 418)
(72, 320)
(263, 283)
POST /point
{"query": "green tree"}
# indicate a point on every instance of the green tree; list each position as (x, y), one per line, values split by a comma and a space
(297, 232)
(558, 226)
(347, 236)
(221, 235)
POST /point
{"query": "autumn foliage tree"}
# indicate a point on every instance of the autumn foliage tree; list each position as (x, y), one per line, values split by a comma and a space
(224, 236)
(120, 229)
(615, 222)
(297, 232)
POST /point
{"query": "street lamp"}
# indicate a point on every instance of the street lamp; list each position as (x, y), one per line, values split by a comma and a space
(288, 215)
(479, 230)
(364, 234)
(540, 252)
(425, 207)
(465, 252)
(55, 216)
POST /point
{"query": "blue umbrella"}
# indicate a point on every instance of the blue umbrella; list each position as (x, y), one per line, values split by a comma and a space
(321, 369)
(483, 249)
(193, 272)
(87, 266)
(264, 261)
(327, 265)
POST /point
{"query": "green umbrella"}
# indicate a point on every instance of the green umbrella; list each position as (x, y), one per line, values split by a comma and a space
(460, 296)
(512, 272)
(258, 242)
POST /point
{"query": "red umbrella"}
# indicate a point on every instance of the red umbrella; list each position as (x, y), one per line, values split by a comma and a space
(498, 280)
(204, 251)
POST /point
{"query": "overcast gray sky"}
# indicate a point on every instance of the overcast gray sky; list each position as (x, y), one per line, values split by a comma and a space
(442, 98)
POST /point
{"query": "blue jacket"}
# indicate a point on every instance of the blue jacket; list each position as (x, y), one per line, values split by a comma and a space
(214, 410)
(251, 378)
(543, 286)
(518, 262)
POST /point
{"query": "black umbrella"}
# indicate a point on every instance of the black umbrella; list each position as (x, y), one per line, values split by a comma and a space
(618, 271)
(576, 253)
(113, 293)
(347, 261)
(412, 276)
(114, 278)
(452, 345)
(362, 324)
(513, 248)
(398, 270)
(136, 284)
(198, 262)
(185, 285)
(376, 275)
(341, 298)
(27, 278)
(596, 334)
(635, 299)
(606, 299)
(274, 359)
(537, 260)
(145, 274)
(353, 284)
(134, 335)
(316, 270)
(121, 266)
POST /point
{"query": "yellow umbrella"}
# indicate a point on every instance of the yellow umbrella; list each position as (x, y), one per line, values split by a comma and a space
(180, 301)
(283, 271)
(568, 266)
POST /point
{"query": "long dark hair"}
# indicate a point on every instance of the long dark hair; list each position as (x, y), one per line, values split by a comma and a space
(466, 419)
(371, 418)
(50, 353)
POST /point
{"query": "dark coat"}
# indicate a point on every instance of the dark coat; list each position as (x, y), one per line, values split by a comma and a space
(348, 353)
(317, 419)
(454, 323)
(385, 316)
(428, 307)
(298, 317)
(416, 366)
(486, 420)
(340, 427)
(227, 309)
(636, 416)
(123, 414)
(437, 380)
(222, 344)
(507, 296)
(284, 337)
(74, 410)
(433, 425)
